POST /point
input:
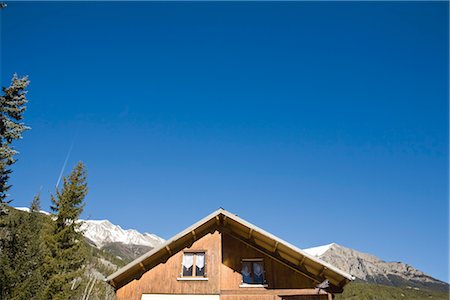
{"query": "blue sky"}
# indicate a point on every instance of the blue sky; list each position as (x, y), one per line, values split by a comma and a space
(319, 122)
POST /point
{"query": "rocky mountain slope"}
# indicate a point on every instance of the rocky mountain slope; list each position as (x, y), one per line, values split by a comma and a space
(371, 269)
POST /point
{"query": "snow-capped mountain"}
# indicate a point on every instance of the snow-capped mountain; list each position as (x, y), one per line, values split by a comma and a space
(125, 243)
(370, 268)
(103, 232)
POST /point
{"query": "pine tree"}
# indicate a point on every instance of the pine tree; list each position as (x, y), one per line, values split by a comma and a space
(9, 252)
(66, 252)
(21, 255)
(12, 107)
(13, 229)
(35, 206)
(31, 282)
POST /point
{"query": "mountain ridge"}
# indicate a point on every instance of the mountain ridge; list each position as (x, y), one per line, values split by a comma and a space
(103, 232)
(370, 268)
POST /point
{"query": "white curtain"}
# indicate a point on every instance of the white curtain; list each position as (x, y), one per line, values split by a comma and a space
(257, 268)
(200, 261)
(245, 270)
(188, 260)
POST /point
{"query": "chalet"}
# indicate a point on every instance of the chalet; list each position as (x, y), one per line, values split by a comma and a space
(223, 257)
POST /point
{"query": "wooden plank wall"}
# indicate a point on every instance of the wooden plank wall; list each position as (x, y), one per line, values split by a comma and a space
(162, 279)
(223, 266)
(277, 275)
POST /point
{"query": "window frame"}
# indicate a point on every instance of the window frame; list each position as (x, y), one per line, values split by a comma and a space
(194, 266)
(253, 284)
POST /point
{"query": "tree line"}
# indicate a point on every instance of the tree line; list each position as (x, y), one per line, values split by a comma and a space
(41, 257)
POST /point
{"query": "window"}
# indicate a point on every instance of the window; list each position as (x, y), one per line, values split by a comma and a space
(253, 271)
(193, 264)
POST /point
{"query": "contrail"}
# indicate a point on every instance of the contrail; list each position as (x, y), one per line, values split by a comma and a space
(65, 163)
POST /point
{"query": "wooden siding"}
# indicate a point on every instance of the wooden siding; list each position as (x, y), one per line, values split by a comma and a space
(162, 279)
(223, 255)
(277, 275)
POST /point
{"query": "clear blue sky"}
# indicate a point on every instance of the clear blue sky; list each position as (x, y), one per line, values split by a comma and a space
(319, 122)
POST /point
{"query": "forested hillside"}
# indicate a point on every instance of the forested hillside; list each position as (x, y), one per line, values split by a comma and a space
(23, 275)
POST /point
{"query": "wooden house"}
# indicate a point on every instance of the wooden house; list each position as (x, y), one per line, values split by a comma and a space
(223, 257)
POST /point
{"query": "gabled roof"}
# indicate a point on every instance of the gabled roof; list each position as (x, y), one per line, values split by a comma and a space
(293, 257)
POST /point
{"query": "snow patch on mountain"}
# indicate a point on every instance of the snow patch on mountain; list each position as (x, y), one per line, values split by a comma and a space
(318, 251)
(103, 232)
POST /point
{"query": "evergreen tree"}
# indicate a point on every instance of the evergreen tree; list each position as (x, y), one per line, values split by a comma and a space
(21, 255)
(9, 253)
(66, 252)
(15, 231)
(35, 206)
(12, 107)
(31, 282)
